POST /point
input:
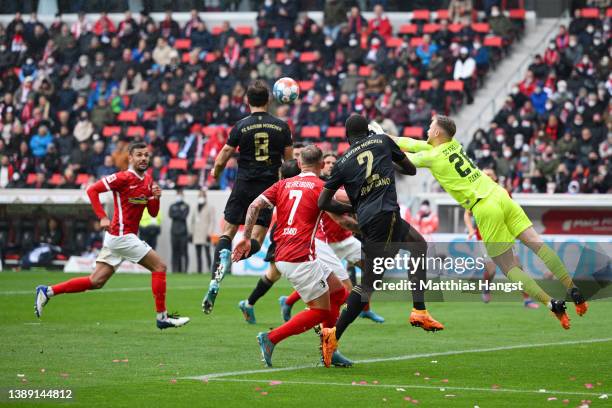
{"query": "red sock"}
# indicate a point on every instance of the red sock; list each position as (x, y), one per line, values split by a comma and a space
(158, 284)
(366, 308)
(72, 286)
(292, 298)
(525, 296)
(336, 300)
(305, 320)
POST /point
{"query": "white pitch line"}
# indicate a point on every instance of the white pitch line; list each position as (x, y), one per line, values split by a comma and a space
(405, 357)
(442, 387)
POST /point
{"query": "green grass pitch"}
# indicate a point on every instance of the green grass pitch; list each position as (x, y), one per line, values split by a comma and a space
(104, 346)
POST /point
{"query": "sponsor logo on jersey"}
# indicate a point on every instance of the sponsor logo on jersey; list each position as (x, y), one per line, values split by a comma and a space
(138, 200)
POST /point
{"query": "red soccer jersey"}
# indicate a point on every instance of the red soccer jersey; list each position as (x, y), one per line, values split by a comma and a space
(330, 231)
(131, 194)
(297, 215)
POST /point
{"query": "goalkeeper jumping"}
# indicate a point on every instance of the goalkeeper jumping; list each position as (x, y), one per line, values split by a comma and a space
(500, 219)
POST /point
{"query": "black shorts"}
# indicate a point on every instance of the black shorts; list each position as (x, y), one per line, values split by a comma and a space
(272, 248)
(243, 194)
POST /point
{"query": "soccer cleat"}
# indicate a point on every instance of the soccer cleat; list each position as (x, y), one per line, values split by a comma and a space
(530, 304)
(266, 347)
(422, 319)
(247, 311)
(209, 300)
(558, 308)
(41, 299)
(225, 264)
(171, 320)
(581, 305)
(338, 360)
(329, 344)
(285, 308)
(370, 314)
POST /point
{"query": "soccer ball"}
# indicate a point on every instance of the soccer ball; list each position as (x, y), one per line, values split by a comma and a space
(286, 90)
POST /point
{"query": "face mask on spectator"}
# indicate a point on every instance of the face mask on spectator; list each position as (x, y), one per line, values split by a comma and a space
(507, 153)
(495, 12)
(524, 159)
(526, 148)
(551, 46)
(578, 122)
(352, 42)
(526, 123)
(548, 106)
(486, 153)
(590, 29)
(515, 123)
(568, 106)
(499, 138)
(580, 109)
(515, 90)
(597, 42)
(329, 42)
(592, 102)
(477, 45)
(201, 200)
(526, 185)
(572, 43)
(424, 209)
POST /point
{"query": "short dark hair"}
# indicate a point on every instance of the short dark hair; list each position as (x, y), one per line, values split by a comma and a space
(298, 145)
(326, 155)
(258, 94)
(136, 145)
(447, 124)
(311, 154)
(356, 127)
(289, 169)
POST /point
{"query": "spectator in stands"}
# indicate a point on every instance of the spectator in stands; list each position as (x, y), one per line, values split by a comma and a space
(425, 221)
(40, 142)
(201, 38)
(106, 169)
(163, 54)
(500, 24)
(83, 130)
(465, 68)
(6, 171)
(420, 114)
(380, 24)
(426, 50)
(334, 15)
(202, 229)
(178, 212)
(356, 22)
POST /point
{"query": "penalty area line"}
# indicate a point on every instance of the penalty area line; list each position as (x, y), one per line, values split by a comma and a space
(442, 388)
(404, 357)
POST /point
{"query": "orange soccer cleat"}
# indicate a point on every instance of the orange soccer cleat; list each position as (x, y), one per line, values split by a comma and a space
(329, 344)
(422, 319)
(558, 308)
(581, 305)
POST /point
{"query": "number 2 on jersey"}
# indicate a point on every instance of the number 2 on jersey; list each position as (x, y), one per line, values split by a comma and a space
(295, 195)
(261, 140)
(460, 158)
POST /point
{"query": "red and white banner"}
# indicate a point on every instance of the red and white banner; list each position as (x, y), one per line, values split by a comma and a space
(587, 222)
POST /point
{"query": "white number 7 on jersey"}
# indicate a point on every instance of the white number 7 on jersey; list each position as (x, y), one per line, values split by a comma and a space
(297, 196)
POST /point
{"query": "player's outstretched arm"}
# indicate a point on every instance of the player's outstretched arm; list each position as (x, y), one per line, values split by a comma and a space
(244, 246)
(221, 160)
(405, 166)
(345, 221)
(327, 203)
(407, 144)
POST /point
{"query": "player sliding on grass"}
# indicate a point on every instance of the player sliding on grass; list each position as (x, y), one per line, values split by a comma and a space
(298, 215)
(500, 219)
(264, 141)
(133, 190)
(366, 171)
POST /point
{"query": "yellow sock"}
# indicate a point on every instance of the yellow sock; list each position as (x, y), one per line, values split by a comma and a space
(555, 265)
(530, 286)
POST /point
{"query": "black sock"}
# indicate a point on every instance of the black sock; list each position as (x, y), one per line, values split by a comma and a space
(263, 286)
(352, 274)
(354, 305)
(225, 242)
(255, 247)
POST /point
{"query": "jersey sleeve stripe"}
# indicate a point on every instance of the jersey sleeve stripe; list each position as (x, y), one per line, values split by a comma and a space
(105, 184)
(120, 209)
(263, 197)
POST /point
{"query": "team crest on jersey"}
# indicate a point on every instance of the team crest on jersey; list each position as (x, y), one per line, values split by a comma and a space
(111, 178)
(142, 200)
(322, 283)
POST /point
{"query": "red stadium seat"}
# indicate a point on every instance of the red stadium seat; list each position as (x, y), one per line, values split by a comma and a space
(481, 27)
(394, 42)
(413, 131)
(336, 131)
(589, 13)
(311, 132)
(199, 164)
(127, 116)
(416, 41)
(31, 178)
(455, 27)
(133, 131)
(210, 131)
(609, 13)
(196, 128)
(425, 85)
(177, 164)
(517, 14)
(276, 43)
(245, 30)
(173, 148)
(420, 15)
(109, 131)
(453, 86)
(55, 179)
(149, 115)
(324, 146)
(365, 71)
(342, 147)
(185, 58)
(82, 179)
(210, 57)
(308, 57)
(216, 30)
(248, 43)
(182, 180)
(408, 29)
(306, 86)
(280, 57)
(431, 28)
(442, 14)
(493, 42)
(182, 44)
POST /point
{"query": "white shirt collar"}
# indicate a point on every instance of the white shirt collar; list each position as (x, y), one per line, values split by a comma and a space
(136, 174)
(309, 173)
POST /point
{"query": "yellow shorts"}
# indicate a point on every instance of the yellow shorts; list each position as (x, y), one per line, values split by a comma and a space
(500, 221)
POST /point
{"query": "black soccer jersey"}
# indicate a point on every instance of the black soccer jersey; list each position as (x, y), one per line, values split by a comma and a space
(262, 139)
(367, 173)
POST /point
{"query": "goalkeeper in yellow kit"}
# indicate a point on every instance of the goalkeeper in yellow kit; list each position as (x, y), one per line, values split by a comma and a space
(500, 219)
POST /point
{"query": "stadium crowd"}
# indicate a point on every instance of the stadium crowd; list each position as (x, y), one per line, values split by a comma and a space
(73, 95)
(554, 132)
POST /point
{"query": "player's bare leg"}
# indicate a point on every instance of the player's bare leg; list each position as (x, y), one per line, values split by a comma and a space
(95, 280)
(153, 262)
(510, 266)
(533, 241)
